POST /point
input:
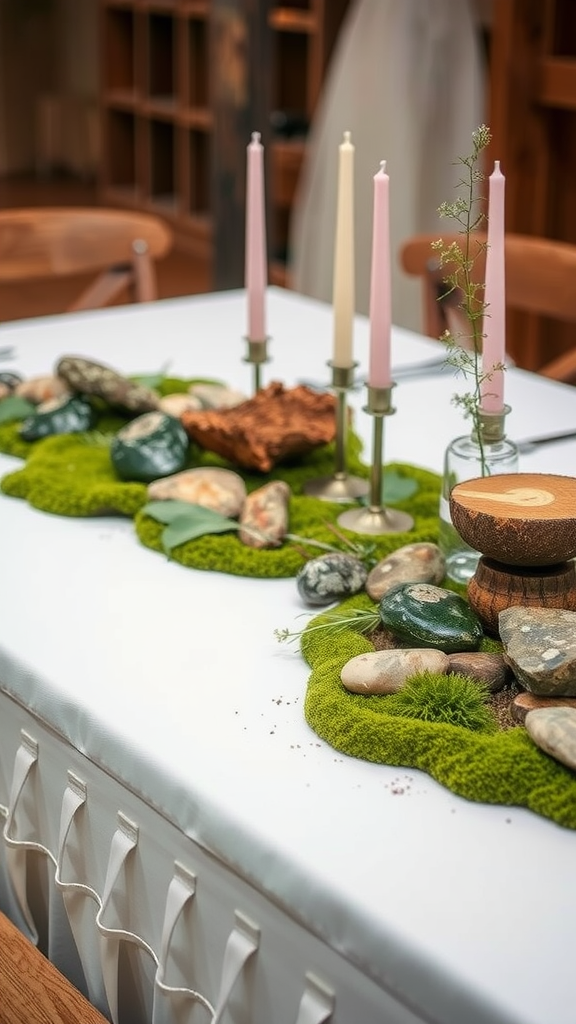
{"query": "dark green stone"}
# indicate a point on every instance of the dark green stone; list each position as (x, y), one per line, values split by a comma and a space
(428, 616)
(151, 446)
(58, 416)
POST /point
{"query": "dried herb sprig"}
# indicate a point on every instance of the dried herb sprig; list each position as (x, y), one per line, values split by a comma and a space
(465, 350)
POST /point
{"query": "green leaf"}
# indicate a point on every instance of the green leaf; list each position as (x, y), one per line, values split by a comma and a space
(395, 488)
(15, 408)
(151, 380)
(186, 527)
(186, 521)
(169, 510)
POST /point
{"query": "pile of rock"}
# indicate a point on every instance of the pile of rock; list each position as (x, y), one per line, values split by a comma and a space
(435, 630)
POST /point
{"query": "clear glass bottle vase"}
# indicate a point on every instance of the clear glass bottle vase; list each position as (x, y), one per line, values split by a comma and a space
(466, 459)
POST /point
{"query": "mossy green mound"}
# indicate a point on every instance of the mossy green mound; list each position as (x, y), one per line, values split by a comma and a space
(72, 475)
(494, 768)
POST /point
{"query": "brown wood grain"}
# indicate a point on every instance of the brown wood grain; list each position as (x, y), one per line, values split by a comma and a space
(540, 275)
(32, 991)
(55, 242)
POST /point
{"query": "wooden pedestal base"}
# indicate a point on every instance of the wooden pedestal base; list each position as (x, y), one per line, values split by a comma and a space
(495, 587)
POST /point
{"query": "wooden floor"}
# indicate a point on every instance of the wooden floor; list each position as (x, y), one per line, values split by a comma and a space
(178, 274)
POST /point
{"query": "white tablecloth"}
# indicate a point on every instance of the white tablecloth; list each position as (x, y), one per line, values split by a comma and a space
(171, 683)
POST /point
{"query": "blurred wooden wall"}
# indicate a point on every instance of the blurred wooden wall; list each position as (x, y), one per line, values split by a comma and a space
(533, 121)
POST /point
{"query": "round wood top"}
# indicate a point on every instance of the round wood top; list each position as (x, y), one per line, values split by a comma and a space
(518, 518)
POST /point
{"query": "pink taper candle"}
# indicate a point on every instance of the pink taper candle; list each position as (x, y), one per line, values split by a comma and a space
(255, 265)
(494, 326)
(343, 284)
(380, 315)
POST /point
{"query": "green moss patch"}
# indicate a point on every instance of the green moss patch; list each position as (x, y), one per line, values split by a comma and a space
(486, 767)
(72, 475)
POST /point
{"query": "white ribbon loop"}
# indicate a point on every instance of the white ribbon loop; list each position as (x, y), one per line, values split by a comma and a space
(123, 842)
(317, 1003)
(16, 855)
(243, 942)
(181, 891)
(75, 894)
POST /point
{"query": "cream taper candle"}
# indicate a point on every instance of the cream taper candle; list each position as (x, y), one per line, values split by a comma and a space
(343, 284)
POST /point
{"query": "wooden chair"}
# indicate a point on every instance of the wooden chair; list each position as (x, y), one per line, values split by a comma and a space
(540, 278)
(32, 990)
(118, 246)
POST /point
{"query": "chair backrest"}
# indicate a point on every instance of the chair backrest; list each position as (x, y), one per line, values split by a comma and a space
(120, 246)
(540, 278)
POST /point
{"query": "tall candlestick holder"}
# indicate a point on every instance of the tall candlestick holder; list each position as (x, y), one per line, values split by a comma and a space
(341, 487)
(374, 518)
(257, 356)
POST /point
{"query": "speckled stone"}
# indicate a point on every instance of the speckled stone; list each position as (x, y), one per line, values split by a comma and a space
(554, 731)
(92, 378)
(216, 396)
(330, 578)
(387, 671)
(487, 668)
(42, 389)
(525, 702)
(413, 563)
(266, 511)
(175, 405)
(218, 489)
(540, 647)
(428, 616)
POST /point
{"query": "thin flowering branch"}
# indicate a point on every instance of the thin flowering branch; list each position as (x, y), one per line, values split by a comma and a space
(461, 258)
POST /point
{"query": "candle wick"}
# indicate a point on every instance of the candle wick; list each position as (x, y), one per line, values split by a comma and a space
(383, 166)
(255, 136)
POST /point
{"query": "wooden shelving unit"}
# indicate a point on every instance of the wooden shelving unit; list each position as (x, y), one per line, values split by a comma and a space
(176, 117)
(533, 120)
(156, 116)
(303, 36)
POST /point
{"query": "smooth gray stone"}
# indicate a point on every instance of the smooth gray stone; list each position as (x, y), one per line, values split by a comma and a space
(540, 647)
(554, 731)
(330, 578)
(387, 671)
(413, 563)
(428, 616)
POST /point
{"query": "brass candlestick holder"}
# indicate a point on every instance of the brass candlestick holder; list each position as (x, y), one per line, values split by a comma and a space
(375, 518)
(340, 487)
(257, 356)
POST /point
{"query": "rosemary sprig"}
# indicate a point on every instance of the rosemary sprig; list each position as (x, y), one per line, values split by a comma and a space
(362, 620)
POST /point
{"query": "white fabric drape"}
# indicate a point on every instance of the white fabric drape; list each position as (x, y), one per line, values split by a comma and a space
(407, 79)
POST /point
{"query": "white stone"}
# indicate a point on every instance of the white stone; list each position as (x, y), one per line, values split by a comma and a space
(175, 405)
(216, 396)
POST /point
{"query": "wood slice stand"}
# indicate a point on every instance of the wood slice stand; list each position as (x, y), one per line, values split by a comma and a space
(524, 524)
(495, 587)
